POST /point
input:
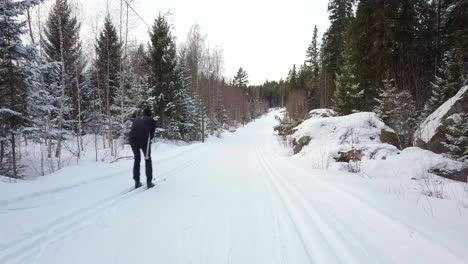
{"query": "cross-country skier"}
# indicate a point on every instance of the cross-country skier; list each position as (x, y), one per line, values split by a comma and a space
(140, 136)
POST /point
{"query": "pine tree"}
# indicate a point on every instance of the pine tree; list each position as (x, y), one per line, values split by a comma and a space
(397, 110)
(163, 75)
(16, 65)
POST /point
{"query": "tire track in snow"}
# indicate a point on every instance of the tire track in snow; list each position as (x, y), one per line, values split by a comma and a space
(34, 243)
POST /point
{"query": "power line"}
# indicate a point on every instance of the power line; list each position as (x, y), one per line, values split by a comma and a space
(136, 13)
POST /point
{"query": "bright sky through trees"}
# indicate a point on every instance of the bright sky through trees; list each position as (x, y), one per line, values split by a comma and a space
(252, 33)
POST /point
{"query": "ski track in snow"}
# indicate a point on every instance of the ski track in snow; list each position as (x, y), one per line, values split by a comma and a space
(232, 200)
(95, 180)
(64, 226)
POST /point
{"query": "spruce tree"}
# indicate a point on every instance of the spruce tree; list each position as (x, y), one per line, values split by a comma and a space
(371, 47)
(183, 124)
(348, 96)
(446, 83)
(61, 40)
(455, 19)
(340, 16)
(313, 71)
(312, 54)
(16, 66)
(293, 78)
(455, 129)
(163, 59)
(241, 80)
(107, 65)
(397, 109)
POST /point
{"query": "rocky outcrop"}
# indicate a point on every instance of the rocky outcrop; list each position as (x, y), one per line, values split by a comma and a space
(430, 134)
(348, 156)
(389, 137)
(299, 144)
(284, 129)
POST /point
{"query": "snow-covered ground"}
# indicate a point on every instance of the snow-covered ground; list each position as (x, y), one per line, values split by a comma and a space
(239, 199)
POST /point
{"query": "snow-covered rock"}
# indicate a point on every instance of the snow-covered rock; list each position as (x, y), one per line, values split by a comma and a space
(428, 135)
(411, 163)
(361, 143)
(330, 136)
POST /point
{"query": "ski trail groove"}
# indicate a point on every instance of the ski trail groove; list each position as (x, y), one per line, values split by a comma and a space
(63, 226)
(376, 215)
(319, 239)
(292, 212)
(109, 176)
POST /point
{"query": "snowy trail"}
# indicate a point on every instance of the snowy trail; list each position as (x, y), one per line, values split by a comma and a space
(233, 200)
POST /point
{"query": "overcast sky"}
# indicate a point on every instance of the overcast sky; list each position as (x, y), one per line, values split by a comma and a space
(265, 37)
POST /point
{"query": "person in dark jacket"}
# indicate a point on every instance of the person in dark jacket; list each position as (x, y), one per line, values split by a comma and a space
(141, 133)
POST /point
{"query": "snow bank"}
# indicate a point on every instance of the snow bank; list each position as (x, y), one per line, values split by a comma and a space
(411, 163)
(430, 126)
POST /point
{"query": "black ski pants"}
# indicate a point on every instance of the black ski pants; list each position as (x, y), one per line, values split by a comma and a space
(137, 149)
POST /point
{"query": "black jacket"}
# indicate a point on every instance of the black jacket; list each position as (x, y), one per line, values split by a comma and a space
(141, 128)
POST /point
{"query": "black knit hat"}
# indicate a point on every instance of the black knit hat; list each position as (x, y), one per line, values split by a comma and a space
(147, 112)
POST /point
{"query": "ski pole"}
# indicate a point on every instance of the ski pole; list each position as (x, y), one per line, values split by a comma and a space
(147, 147)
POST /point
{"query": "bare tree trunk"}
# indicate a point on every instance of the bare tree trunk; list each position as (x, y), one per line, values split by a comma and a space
(2, 152)
(100, 110)
(62, 97)
(438, 22)
(121, 77)
(108, 106)
(95, 147)
(42, 157)
(49, 139)
(78, 134)
(13, 155)
(31, 34)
